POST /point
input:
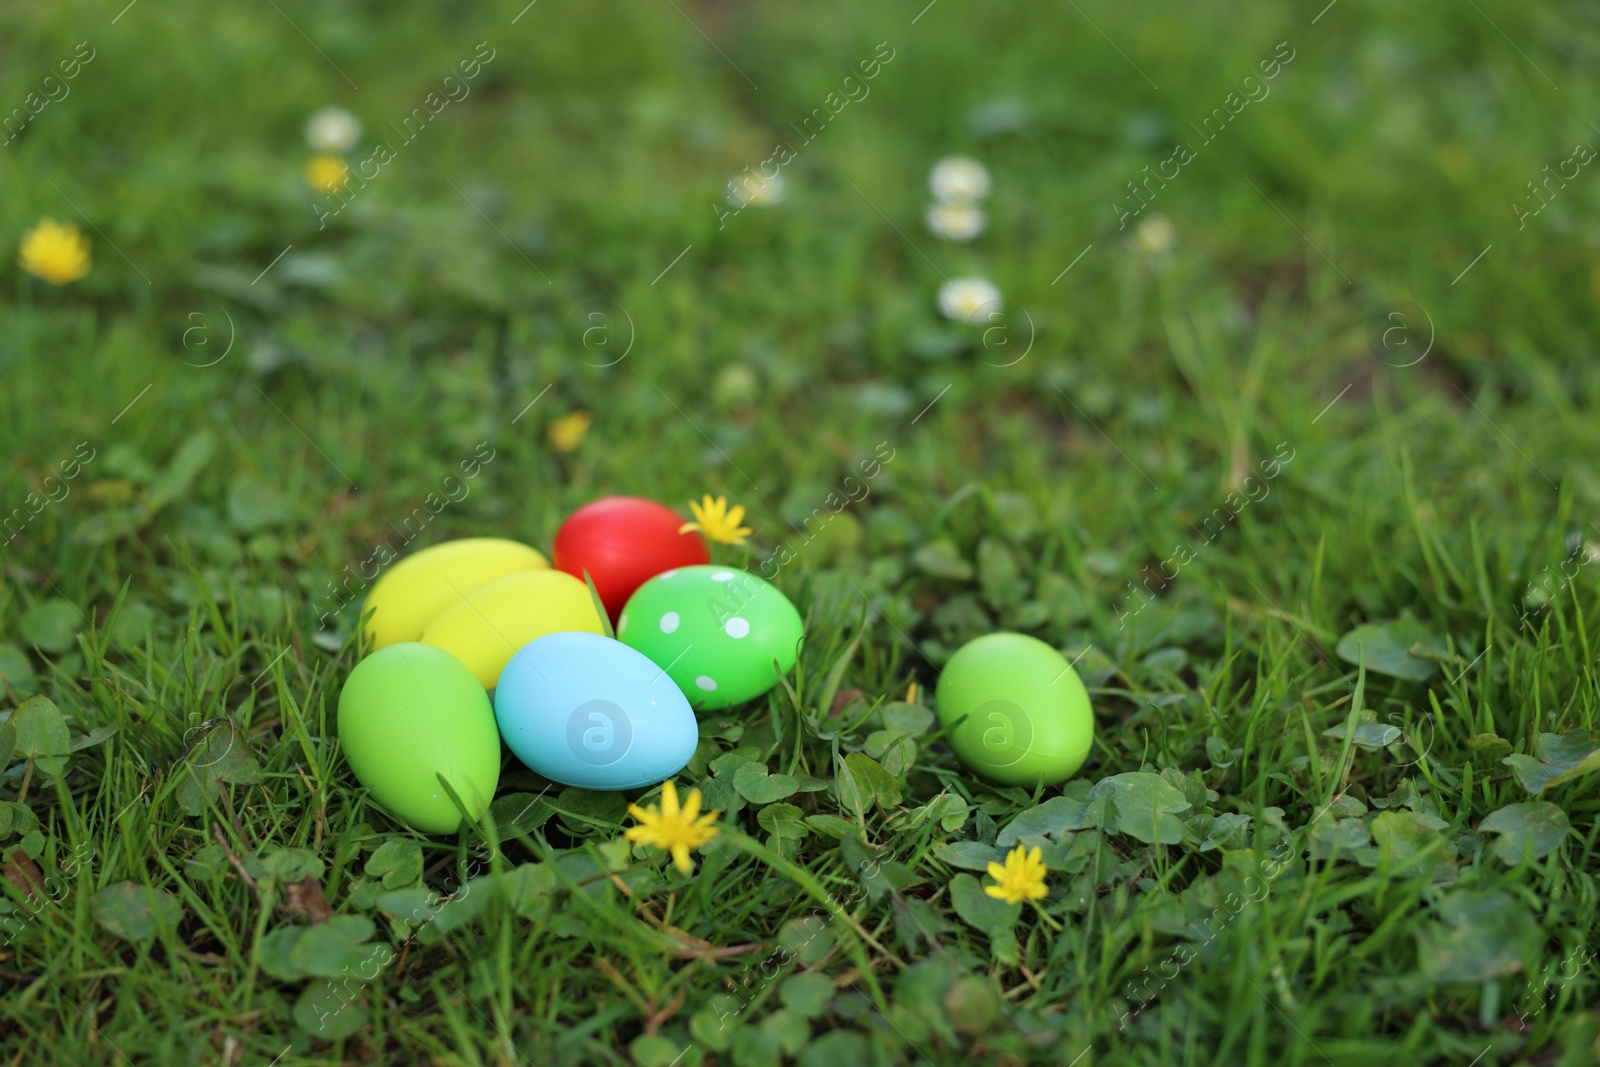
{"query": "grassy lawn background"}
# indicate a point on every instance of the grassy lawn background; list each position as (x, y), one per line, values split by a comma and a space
(168, 603)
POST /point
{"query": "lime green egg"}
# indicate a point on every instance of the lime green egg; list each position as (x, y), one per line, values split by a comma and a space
(1016, 711)
(722, 634)
(409, 715)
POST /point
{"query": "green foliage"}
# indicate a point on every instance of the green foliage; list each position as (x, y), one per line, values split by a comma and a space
(254, 504)
(1481, 935)
(39, 734)
(756, 785)
(808, 994)
(1216, 482)
(1561, 758)
(52, 625)
(1142, 806)
(397, 862)
(1527, 831)
(292, 864)
(16, 672)
(993, 917)
(863, 782)
(1055, 817)
(1401, 648)
(136, 912)
(218, 755)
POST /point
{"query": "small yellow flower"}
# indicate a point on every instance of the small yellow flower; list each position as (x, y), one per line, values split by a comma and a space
(58, 254)
(713, 519)
(1022, 878)
(566, 433)
(326, 174)
(671, 828)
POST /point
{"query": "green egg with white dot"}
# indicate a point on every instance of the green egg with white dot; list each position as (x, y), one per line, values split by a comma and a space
(723, 635)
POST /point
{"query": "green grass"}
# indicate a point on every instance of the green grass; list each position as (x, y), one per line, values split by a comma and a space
(1354, 909)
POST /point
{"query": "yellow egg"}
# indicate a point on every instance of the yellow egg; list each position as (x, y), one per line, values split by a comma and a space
(425, 583)
(485, 628)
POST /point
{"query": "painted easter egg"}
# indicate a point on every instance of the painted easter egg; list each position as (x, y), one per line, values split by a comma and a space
(417, 588)
(1016, 710)
(622, 541)
(409, 714)
(484, 628)
(585, 710)
(716, 631)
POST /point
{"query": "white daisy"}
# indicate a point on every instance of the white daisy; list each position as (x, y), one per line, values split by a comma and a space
(959, 178)
(333, 130)
(956, 220)
(754, 189)
(1155, 236)
(969, 300)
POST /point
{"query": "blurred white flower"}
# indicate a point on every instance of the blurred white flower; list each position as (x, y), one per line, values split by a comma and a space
(968, 300)
(959, 178)
(1155, 236)
(753, 189)
(956, 220)
(333, 130)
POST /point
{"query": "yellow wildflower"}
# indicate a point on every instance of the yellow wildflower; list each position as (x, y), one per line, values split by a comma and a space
(1022, 878)
(326, 174)
(712, 518)
(58, 254)
(566, 433)
(671, 828)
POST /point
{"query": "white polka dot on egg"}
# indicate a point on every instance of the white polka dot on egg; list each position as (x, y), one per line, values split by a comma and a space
(669, 574)
(737, 628)
(722, 576)
(706, 682)
(669, 622)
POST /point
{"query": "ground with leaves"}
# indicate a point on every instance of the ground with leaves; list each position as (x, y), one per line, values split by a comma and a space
(1306, 493)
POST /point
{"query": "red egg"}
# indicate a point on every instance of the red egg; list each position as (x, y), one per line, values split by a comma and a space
(623, 542)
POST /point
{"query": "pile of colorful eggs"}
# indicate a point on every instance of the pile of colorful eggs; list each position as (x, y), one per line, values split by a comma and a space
(473, 641)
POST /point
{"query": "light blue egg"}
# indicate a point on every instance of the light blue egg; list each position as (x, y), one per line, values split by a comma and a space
(585, 710)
